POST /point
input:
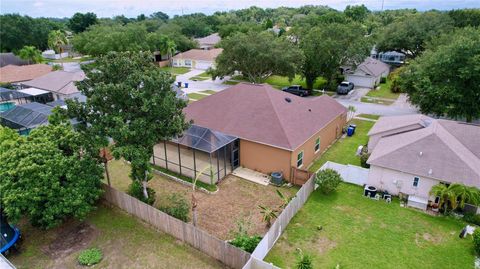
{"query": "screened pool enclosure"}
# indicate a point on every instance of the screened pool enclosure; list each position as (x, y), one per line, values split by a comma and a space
(196, 149)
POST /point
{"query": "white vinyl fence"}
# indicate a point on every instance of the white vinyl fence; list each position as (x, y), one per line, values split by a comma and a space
(262, 249)
(350, 173)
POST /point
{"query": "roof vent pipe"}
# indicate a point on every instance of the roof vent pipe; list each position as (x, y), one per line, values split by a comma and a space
(288, 100)
(421, 153)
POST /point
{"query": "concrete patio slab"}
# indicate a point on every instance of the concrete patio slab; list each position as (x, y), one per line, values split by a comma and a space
(252, 176)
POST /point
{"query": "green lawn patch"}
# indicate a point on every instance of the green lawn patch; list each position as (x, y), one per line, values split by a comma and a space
(125, 241)
(196, 96)
(343, 151)
(199, 78)
(284, 82)
(199, 183)
(176, 70)
(209, 92)
(384, 92)
(231, 82)
(358, 232)
(369, 116)
(373, 100)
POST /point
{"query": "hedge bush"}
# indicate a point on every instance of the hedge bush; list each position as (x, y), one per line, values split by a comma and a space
(245, 242)
(472, 218)
(476, 240)
(136, 190)
(90, 256)
(177, 207)
(328, 180)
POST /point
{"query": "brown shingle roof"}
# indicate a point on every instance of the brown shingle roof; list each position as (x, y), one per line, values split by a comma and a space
(373, 67)
(385, 124)
(61, 82)
(199, 54)
(15, 73)
(445, 150)
(260, 113)
(212, 39)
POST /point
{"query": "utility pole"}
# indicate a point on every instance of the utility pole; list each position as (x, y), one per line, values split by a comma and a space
(383, 1)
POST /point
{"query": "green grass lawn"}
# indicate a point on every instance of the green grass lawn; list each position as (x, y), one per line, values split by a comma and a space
(196, 96)
(369, 116)
(125, 241)
(362, 233)
(201, 76)
(231, 82)
(209, 92)
(343, 151)
(384, 92)
(372, 100)
(176, 70)
(283, 82)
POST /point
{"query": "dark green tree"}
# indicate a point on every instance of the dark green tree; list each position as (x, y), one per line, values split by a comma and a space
(131, 101)
(465, 17)
(328, 180)
(357, 13)
(411, 33)
(30, 54)
(79, 22)
(444, 80)
(159, 15)
(257, 56)
(328, 47)
(47, 177)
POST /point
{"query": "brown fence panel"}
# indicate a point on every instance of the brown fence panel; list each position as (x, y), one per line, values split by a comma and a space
(197, 238)
(300, 176)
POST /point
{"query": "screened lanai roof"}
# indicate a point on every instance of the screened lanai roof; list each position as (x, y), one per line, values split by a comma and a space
(7, 94)
(204, 139)
(28, 116)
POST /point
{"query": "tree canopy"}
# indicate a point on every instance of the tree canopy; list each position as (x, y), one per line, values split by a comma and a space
(328, 47)
(30, 54)
(131, 101)
(79, 22)
(257, 56)
(46, 176)
(444, 80)
(411, 33)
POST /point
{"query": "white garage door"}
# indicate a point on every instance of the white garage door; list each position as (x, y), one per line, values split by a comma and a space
(361, 81)
(203, 65)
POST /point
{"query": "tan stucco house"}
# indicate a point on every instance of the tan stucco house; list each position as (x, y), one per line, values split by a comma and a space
(208, 42)
(410, 154)
(196, 58)
(261, 128)
(368, 74)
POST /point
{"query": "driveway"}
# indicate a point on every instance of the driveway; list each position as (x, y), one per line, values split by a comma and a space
(354, 95)
(369, 108)
(197, 86)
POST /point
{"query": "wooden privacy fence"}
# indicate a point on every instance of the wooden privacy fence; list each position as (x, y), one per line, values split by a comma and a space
(299, 176)
(201, 240)
(262, 249)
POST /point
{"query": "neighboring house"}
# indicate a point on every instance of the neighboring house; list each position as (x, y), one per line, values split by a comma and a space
(9, 58)
(15, 73)
(389, 57)
(208, 42)
(60, 83)
(410, 154)
(253, 126)
(368, 74)
(196, 58)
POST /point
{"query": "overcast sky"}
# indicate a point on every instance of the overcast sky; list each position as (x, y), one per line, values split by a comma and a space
(132, 8)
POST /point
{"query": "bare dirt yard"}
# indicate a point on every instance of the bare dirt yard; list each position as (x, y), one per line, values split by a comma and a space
(125, 242)
(237, 200)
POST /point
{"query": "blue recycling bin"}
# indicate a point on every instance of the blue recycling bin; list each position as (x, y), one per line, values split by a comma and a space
(179, 84)
(186, 84)
(350, 131)
(354, 126)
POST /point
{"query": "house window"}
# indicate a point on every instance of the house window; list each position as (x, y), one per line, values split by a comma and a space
(415, 181)
(300, 159)
(188, 62)
(317, 145)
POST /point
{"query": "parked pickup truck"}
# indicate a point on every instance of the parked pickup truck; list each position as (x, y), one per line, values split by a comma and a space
(297, 90)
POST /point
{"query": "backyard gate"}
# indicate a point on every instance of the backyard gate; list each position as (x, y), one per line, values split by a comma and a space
(299, 176)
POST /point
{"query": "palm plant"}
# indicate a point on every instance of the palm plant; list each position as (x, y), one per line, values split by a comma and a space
(466, 194)
(304, 261)
(170, 50)
(56, 41)
(285, 199)
(351, 112)
(456, 194)
(446, 194)
(268, 214)
(30, 54)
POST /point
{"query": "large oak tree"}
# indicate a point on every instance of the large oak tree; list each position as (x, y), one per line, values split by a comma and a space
(130, 100)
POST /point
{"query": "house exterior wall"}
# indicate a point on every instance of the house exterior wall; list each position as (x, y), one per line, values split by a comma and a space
(361, 80)
(384, 179)
(375, 138)
(327, 136)
(194, 64)
(264, 158)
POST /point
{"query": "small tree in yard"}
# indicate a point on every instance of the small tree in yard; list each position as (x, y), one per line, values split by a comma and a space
(328, 180)
(48, 176)
(268, 215)
(455, 195)
(304, 261)
(131, 101)
(30, 54)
